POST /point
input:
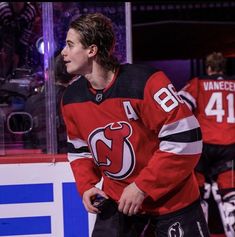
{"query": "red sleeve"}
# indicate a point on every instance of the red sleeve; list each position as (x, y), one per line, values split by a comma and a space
(178, 133)
(189, 93)
(85, 171)
(86, 174)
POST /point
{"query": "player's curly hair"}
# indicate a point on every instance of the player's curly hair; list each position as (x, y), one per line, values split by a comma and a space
(95, 28)
(216, 62)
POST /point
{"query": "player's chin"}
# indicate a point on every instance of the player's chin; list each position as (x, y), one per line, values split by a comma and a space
(70, 70)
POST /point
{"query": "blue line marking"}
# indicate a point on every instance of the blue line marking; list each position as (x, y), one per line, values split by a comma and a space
(26, 193)
(25, 226)
(75, 215)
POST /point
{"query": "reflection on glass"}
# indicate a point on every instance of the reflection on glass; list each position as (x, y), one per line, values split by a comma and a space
(23, 79)
(19, 122)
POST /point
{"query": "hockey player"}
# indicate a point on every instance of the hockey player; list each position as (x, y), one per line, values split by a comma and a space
(212, 99)
(127, 125)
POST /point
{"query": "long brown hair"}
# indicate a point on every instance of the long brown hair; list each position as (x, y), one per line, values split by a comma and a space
(97, 29)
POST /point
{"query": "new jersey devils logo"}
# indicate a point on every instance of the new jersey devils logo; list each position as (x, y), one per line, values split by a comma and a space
(112, 149)
(175, 230)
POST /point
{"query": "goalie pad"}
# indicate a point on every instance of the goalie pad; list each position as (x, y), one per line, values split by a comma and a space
(205, 195)
(226, 205)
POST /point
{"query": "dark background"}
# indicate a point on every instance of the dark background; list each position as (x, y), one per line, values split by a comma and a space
(176, 36)
(182, 29)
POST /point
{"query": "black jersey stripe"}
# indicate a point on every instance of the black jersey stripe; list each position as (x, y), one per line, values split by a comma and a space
(188, 101)
(72, 149)
(192, 135)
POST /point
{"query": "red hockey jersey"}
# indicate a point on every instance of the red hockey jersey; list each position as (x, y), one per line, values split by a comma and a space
(136, 130)
(212, 100)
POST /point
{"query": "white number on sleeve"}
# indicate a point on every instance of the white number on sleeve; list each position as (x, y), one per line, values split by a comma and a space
(167, 98)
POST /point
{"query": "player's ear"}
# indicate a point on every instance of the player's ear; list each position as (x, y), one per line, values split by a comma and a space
(208, 70)
(93, 49)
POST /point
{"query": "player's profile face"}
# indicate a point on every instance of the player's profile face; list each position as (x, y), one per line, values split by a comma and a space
(75, 54)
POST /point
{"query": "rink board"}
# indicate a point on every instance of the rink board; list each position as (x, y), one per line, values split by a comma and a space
(40, 200)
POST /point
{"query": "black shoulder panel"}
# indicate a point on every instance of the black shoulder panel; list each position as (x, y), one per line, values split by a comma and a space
(76, 92)
(216, 77)
(130, 83)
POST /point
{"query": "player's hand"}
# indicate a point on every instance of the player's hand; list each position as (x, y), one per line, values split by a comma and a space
(88, 196)
(131, 200)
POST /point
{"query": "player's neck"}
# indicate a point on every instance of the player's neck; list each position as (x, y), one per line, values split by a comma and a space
(100, 78)
(210, 72)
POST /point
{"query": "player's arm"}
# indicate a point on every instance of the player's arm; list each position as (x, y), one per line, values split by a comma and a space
(189, 93)
(85, 171)
(179, 135)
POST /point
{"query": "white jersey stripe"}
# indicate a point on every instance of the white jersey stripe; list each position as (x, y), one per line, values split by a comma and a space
(77, 143)
(182, 125)
(181, 148)
(76, 156)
